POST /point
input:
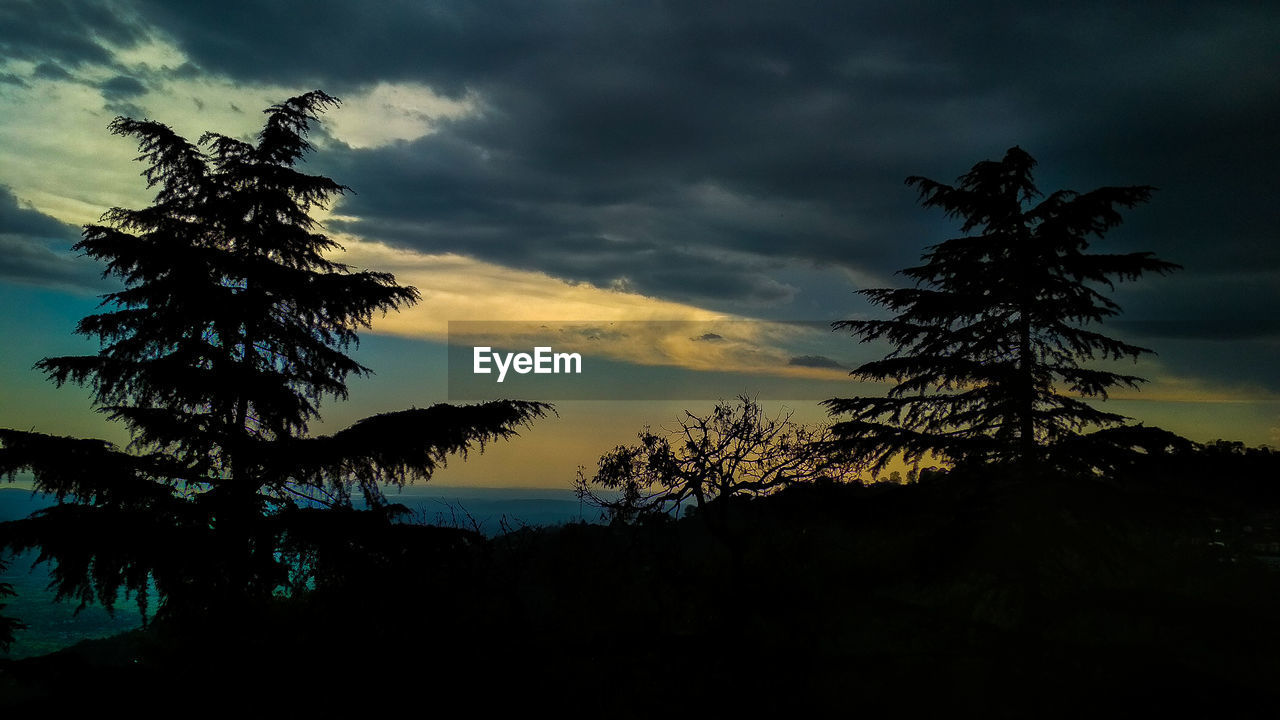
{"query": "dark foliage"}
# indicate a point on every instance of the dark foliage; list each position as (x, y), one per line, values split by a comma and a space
(233, 325)
(965, 595)
(993, 357)
(8, 625)
(735, 451)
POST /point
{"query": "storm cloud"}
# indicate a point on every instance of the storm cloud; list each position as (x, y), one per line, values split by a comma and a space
(651, 143)
(67, 32)
(735, 156)
(34, 249)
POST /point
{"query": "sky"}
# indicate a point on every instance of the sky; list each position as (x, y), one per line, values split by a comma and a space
(738, 165)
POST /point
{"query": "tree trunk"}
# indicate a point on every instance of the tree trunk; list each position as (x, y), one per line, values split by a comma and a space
(1026, 396)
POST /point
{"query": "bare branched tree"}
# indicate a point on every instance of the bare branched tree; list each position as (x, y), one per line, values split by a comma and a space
(735, 451)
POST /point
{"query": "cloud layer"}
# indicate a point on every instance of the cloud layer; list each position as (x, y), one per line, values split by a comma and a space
(737, 158)
(34, 249)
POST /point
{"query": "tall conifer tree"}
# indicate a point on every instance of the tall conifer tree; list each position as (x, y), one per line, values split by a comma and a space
(992, 341)
(232, 326)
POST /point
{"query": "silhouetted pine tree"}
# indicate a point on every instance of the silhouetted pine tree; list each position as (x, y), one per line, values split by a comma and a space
(991, 340)
(231, 328)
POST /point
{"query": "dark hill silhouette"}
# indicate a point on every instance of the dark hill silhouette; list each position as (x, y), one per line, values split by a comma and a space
(975, 594)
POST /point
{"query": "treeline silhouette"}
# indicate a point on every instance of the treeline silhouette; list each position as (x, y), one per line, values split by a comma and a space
(1045, 557)
(971, 593)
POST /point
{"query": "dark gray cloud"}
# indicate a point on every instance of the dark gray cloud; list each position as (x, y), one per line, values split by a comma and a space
(50, 71)
(34, 249)
(68, 33)
(815, 361)
(658, 143)
(121, 87)
(713, 153)
(1232, 306)
(19, 219)
(118, 93)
